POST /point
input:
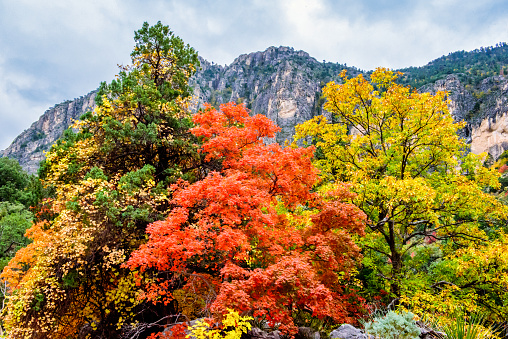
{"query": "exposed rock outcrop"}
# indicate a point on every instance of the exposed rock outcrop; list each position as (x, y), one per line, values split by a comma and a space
(256, 333)
(281, 83)
(28, 147)
(484, 109)
(285, 85)
(491, 136)
(347, 331)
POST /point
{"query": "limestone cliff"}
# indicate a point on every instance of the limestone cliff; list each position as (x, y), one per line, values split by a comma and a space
(285, 85)
(484, 108)
(491, 136)
(281, 83)
(28, 147)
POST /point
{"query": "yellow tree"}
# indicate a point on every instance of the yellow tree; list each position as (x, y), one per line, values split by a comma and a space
(416, 182)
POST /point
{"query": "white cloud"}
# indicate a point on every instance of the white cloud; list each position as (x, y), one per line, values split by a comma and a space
(60, 49)
(22, 112)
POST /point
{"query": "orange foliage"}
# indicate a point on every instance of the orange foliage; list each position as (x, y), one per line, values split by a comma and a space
(177, 331)
(25, 258)
(240, 224)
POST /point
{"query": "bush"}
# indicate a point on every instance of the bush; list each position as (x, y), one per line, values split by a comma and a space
(393, 326)
(468, 327)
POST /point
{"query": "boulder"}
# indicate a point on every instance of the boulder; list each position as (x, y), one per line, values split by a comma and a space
(307, 333)
(427, 332)
(256, 333)
(347, 331)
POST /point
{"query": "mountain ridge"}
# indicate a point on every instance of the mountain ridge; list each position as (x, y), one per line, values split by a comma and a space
(285, 85)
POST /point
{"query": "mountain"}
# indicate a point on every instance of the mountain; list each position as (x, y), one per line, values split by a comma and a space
(483, 107)
(285, 85)
(471, 67)
(28, 147)
(281, 83)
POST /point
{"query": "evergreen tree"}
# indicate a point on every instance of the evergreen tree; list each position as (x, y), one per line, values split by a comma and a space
(110, 181)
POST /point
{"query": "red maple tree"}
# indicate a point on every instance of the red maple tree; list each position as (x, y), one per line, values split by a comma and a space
(254, 230)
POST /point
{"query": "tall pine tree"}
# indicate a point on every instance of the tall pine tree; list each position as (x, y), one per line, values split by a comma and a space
(111, 179)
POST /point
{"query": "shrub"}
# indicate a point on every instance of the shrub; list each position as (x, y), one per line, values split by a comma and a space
(467, 327)
(233, 325)
(393, 326)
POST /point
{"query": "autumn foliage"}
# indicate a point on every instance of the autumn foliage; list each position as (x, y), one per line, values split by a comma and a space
(158, 217)
(424, 194)
(243, 228)
(110, 176)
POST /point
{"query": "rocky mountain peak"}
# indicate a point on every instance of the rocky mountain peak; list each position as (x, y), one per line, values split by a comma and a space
(285, 85)
(28, 147)
(270, 55)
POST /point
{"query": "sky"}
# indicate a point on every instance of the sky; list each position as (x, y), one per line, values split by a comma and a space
(57, 50)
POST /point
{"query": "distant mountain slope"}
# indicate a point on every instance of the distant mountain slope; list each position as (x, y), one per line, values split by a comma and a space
(471, 67)
(285, 85)
(28, 147)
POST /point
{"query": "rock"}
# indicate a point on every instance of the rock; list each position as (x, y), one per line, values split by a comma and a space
(257, 333)
(281, 83)
(28, 147)
(307, 333)
(491, 136)
(484, 109)
(347, 331)
(427, 332)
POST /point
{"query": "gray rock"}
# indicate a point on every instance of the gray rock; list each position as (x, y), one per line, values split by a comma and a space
(307, 333)
(347, 331)
(281, 83)
(480, 105)
(426, 332)
(257, 333)
(28, 147)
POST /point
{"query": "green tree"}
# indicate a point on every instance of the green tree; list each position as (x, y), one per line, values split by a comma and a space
(110, 179)
(17, 186)
(13, 181)
(15, 219)
(18, 192)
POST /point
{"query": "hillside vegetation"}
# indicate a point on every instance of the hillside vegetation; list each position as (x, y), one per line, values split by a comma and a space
(472, 67)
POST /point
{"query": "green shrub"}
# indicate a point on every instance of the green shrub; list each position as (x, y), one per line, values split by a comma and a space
(468, 327)
(393, 326)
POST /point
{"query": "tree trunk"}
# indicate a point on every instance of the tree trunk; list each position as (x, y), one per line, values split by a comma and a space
(396, 273)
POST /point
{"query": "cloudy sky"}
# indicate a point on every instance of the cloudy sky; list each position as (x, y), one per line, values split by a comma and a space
(55, 50)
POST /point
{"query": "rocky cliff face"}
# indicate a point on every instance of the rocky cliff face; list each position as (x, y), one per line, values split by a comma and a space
(462, 101)
(484, 108)
(28, 147)
(285, 85)
(491, 136)
(281, 83)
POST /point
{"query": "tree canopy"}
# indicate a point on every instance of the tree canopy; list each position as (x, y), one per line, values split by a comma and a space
(110, 180)
(146, 217)
(13, 181)
(253, 232)
(413, 176)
